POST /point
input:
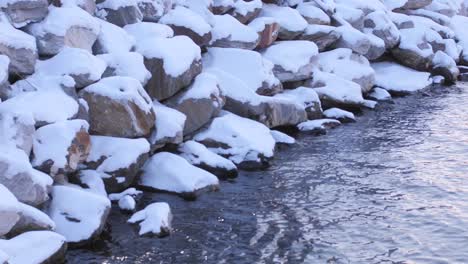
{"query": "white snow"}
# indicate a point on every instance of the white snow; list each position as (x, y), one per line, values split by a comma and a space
(259, 23)
(309, 10)
(168, 172)
(184, 17)
(281, 137)
(244, 7)
(76, 212)
(114, 39)
(177, 53)
(458, 25)
(196, 153)
(116, 4)
(336, 113)
(303, 96)
(93, 181)
(288, 18)
(388, 75)
(61, 19)
(147, 30)
(9, 210)
(246, 139)
(129, 64)
(52, 142)
(155, 218)
(205, 85)
(317, 124)
(247, 65)
(111, 149)
(337, 88)
(291, 55)
(380, 94)
(127, 203)
(72, 61)
(128, 192)
(32, 247)
(122, 88)
(169, 122)
(39, 217)
(227, 27)
(4, 63)
(14, 38)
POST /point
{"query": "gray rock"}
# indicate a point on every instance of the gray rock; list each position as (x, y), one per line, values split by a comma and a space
(379, 24)
(17, 129)
(87, 5)
(323, 36)
(31, 219)
(123, 15)
(9, 211)
(23, 12)
(416, 4)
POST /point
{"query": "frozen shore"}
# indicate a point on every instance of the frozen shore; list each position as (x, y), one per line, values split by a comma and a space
(102, 100)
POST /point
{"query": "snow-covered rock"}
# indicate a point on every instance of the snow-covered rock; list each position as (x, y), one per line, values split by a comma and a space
(4, 83)
(458, 25)
(79, 215)
(9, 210)
(414, 51)
(119, 12)
(313, 14)
(87, 5)
(155, 219)
(228, 32)
(120, 107)
(65, 26)
(348, 65)
(187, 22)
(23, 12)
(199, 156)
(17, 130)
(200, 102)
(245, 142)
(153, 10)
(173, 63)
(293, 60)
(379, 24)
(292, 24)
(306, 98)
(29, 186)
(129, 64)
(48, 99)
(341, 115)
(92, 181)
(365, 44)
(127, 203)
(168, 172)
(128, 192)
(35, 247)
(118, 158)
(444, 65)
(79, 64)
(60, 147)
(388, 75)
(19, 47)
(246, 11)
(322, 35)
(282, 138)
(380, 94)
(112, 39)
(31, 219)
(146, 30)
(267, 29)
(318, 127)
(170, 125)
(255, 71)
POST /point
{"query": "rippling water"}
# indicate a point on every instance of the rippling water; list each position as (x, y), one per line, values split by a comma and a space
(391, 188)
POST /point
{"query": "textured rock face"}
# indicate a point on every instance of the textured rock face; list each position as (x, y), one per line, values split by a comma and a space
(23, 12)
(23, 57)
(119, 14)
(153, 10)
(120, 107)
(323, 36)
(416, 4)
(17, 129)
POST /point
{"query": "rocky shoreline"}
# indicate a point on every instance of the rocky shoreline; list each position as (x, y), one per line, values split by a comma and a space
(102, 100)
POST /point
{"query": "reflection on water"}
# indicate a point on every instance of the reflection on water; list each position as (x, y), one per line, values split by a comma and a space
(391, 188)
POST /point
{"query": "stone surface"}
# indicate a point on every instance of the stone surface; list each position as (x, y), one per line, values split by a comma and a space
(119, 13)
(23, 12)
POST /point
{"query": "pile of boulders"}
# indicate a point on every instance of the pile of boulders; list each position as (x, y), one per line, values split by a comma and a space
(101, 98)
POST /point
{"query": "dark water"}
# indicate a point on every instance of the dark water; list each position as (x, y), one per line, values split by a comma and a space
(391, 188)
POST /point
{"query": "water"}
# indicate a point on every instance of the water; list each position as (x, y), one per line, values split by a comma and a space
(391, 188)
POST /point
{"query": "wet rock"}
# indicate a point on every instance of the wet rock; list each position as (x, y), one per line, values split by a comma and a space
(60, 147)
(228, 32)
(27, 184)
(168, 172)
(169, 72)
(170, 125)
(155, 219)
(186, 22)
(41, 247)
(292, 24)
(53, 34)
(245, 142)
(79, 215)
(20, 48)
(199, 156)
(119, 158)
(267, 29)
(119, 107)
(23, 12)
(200, 103)
(119, 13)
(323, 36)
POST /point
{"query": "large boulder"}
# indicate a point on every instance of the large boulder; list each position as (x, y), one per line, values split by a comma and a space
(292, 24)
(306, 98)
(23, 12)
(118, 12)
(200, 103)
(293, 60)
(228, 32)
(414, 50)
(112, 39)
(79, 215)
(187, 22)
(245, 142)
(153, 10)
(170, 125)
(86, 69)
(19, 47)
(65, 26)
(173, 63)
(313, 14)
(59, 148)
(129, 64)
(168, 172)
(16, 173)
(119, 158)
(35, 247)
(379, 24)
(119, 107)
(365, 44)
(255, 71)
